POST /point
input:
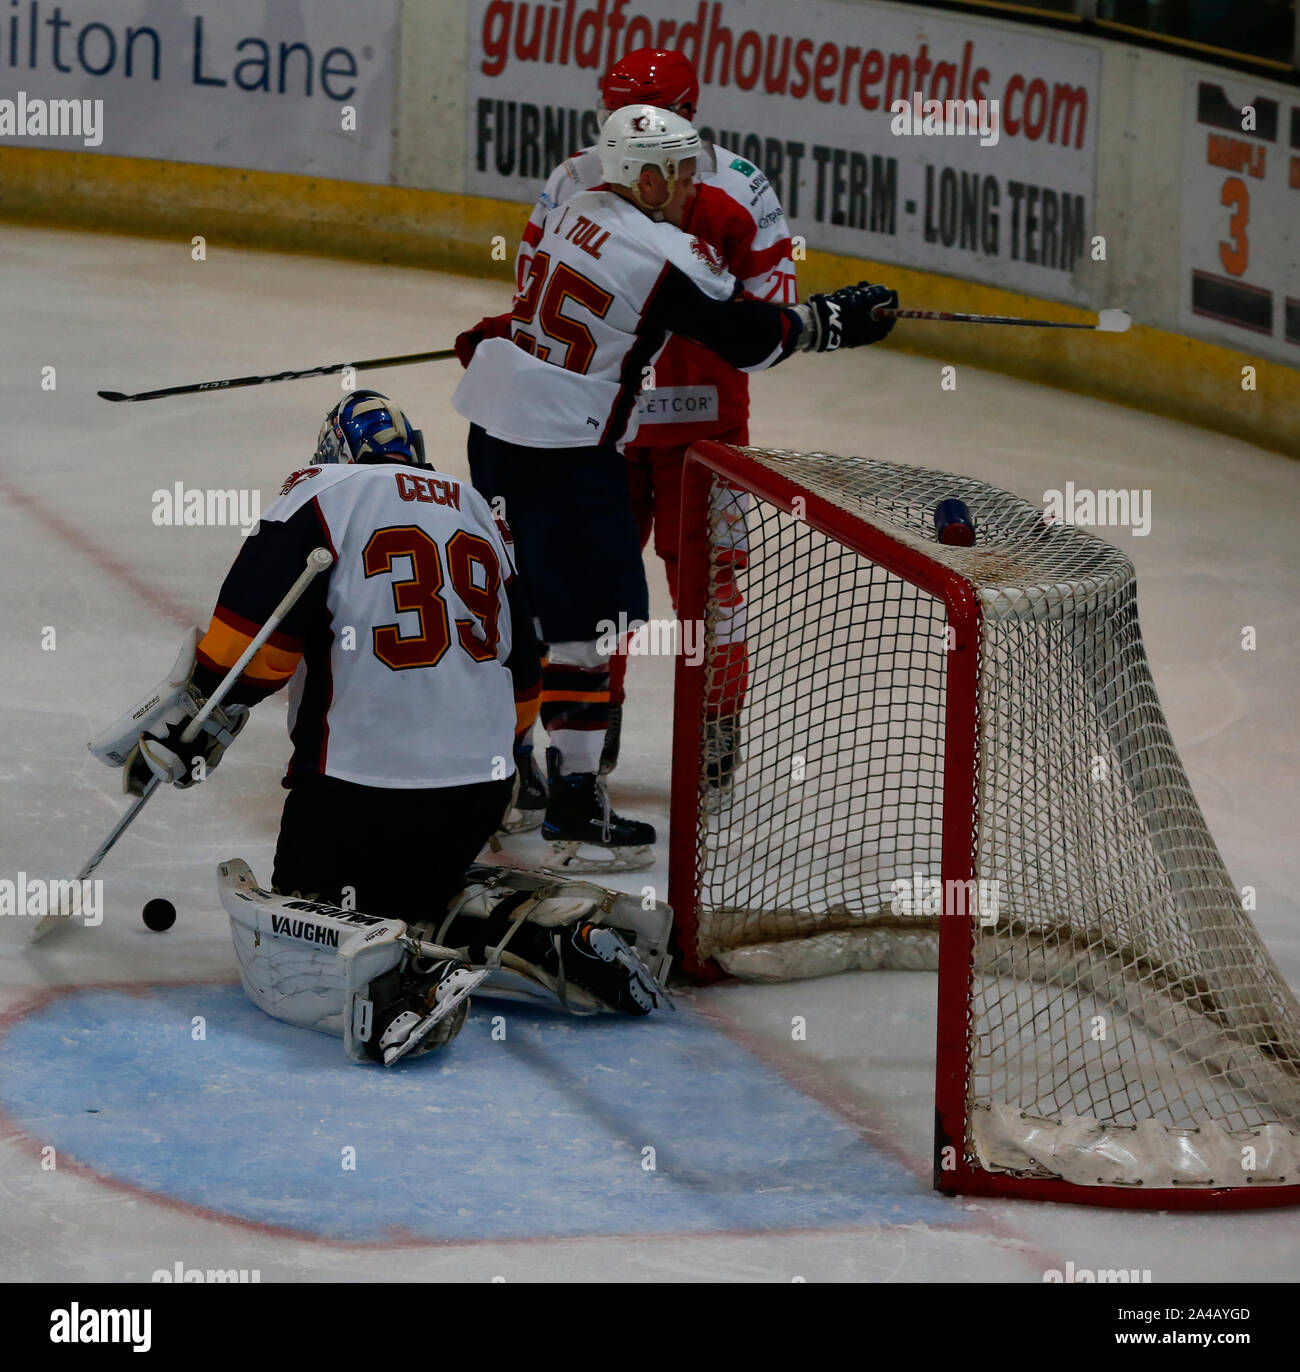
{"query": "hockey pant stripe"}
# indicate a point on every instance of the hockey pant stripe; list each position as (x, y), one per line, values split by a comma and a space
(575, 712)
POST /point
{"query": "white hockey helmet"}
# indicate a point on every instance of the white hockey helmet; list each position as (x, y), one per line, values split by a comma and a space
(639, 136)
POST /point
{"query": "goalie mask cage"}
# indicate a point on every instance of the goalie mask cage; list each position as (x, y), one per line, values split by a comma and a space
(955, 758)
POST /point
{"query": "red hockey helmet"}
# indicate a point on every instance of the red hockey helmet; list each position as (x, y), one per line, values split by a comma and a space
(651, 76)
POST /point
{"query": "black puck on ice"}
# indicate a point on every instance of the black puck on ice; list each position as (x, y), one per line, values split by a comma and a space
(159, 914)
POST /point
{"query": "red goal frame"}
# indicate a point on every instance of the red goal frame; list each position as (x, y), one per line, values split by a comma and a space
(704, 460)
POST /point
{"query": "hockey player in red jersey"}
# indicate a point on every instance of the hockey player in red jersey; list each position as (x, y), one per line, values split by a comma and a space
(695, 392)
(411, 663)
(612, 278)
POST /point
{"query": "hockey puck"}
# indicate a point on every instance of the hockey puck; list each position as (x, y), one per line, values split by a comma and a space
(953, 523)
(159, 914)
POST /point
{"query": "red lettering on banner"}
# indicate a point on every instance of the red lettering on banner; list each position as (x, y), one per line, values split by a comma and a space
(947, 73)
(750, 43)
(1010, 121)
(718, 34)
(901, 65)
(852, 56)
(873, 65)
(801, 50)
(592, 33)
(1034, 126)
(827, 60)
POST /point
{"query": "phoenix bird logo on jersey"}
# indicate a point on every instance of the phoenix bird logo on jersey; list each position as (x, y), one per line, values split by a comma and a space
(302, 474)
(709, 255)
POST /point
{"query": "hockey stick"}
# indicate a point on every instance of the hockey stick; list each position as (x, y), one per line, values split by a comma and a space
(366, 364)
(1108, 321)
(70, 902)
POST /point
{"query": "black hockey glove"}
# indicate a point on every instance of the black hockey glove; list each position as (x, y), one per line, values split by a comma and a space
(843, 319)
(164, 755)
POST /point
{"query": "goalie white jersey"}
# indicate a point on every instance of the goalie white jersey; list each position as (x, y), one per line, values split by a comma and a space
(398, 655)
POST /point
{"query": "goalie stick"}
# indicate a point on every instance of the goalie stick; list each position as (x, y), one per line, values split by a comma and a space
(366, 364)
(317, 561)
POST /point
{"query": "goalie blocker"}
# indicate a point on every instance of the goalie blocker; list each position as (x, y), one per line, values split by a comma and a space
(390, 992)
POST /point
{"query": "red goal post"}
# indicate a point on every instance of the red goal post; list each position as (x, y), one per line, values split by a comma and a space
(929, 715)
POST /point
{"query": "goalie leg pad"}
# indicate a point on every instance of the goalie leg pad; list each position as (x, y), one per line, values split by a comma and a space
(569, 928)
(343, 972)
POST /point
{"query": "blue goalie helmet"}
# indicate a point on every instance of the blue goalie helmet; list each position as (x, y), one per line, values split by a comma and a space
(367, 427)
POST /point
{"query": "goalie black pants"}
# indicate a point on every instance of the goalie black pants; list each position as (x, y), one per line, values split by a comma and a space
(398, 854)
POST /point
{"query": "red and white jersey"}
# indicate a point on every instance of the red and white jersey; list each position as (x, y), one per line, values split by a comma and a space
(400, 655)
(736, 211)
(605, 282)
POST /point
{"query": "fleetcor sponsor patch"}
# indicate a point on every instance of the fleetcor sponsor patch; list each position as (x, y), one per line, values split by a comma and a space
(677, 404)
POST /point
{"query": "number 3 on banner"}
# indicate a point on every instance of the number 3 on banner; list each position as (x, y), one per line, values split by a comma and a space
(1235, 257)
(419, 595)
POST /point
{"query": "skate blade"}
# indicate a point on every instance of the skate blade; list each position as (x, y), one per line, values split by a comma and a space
(566, 858)
(522, 821)
(468, 986)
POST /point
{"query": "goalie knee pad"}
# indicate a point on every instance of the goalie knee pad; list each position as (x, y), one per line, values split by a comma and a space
(586, 948)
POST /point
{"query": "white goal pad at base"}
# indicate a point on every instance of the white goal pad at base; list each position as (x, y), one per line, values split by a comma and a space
(955, 757)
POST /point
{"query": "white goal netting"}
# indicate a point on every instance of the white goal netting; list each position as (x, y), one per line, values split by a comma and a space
(1124, 1024)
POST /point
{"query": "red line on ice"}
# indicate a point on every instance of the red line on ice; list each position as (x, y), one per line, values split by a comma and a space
(78, 539)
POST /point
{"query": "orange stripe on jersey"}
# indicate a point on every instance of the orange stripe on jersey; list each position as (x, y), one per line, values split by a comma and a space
(576, 697)
(222, 646)
(249, 629)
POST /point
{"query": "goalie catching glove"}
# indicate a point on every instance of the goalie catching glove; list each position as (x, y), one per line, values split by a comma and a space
(146, 741)
(843, 319)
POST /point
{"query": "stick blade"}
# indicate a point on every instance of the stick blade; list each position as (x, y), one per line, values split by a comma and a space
(114, 396)
(1114, 321)
(69, 907)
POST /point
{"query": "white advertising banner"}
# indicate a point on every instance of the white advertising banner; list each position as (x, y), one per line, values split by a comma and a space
(806, 92)
(1241, 214)
(273, 85)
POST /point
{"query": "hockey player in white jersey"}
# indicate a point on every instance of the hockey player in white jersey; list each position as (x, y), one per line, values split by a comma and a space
(406, 662)
(612, 279)
(696, 393)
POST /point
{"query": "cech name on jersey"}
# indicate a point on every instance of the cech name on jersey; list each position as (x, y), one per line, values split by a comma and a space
(431, 490)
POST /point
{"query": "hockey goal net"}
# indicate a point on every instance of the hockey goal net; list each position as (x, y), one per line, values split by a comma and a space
(955, 758)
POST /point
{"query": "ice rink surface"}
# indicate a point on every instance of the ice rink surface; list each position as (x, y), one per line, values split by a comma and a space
(258, 1147)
